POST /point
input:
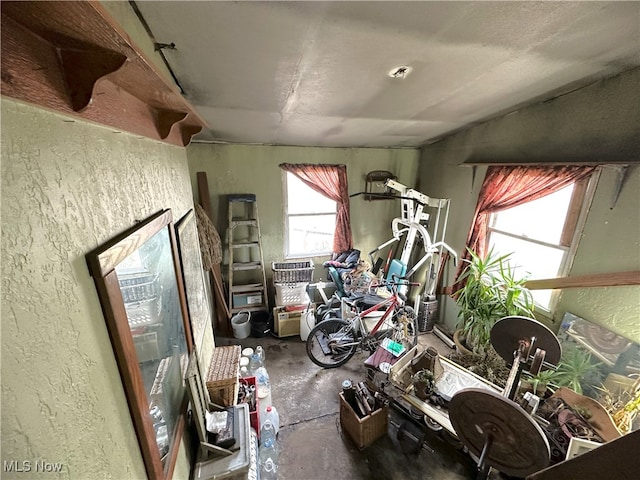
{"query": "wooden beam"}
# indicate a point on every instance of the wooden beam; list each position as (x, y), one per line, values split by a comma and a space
(587, 281)
(217, 286)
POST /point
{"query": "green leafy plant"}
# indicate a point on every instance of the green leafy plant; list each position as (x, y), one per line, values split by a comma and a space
(490, 292)
(542, 380)
(574, 366)
(425, 381)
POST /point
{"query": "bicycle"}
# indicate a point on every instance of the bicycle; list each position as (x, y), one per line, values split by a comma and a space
(332, 342)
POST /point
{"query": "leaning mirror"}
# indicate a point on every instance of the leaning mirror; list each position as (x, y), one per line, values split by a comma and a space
(138, 279)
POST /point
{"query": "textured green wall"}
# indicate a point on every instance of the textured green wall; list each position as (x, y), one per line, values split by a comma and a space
(597, 123)
(254, 169)
(67, 187)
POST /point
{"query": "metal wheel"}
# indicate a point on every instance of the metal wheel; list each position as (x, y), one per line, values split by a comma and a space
(331, 343)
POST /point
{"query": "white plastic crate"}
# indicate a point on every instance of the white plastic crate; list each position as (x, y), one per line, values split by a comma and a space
(291, 294)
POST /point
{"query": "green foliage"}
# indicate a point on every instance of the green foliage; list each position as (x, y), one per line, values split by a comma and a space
(425, 376)
(490, 292)
(542, 379)
(574, 365)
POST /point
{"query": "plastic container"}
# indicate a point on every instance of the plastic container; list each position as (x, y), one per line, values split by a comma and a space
(268, 457)
(260, 324)
(267, 431)
(260, 352)
(307, 322)
(247, 352)
(241, 325)
(272, 416)
(269, 471)
(263, 384)
(255, 363)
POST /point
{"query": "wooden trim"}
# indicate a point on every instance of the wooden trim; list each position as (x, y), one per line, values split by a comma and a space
(573, 212)
(586, 281)
(102, 264)
(583, 281)
(73, 57)
(103, 260)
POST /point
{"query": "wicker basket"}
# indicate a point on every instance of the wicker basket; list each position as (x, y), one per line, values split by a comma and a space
(224, 372)
(363, 431)
(292, 272)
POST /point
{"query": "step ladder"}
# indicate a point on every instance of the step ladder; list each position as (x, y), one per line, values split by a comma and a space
(246, 275)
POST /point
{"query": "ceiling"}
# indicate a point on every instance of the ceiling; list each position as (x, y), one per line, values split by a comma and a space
(316, 73)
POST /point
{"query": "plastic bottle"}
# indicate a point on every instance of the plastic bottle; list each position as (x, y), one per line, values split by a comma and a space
(260, 352)
(269, 471)
(255, 363)
(267, 432)
(263, 385)
(272, 416)
(268, 455)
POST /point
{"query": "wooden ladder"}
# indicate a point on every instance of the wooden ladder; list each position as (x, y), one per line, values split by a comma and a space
(246, 274)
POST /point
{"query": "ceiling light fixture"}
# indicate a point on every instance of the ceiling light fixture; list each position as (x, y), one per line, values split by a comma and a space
(400, 72)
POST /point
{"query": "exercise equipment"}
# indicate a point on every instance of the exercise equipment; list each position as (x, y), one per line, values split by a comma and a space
(500, 432)
(492, 426)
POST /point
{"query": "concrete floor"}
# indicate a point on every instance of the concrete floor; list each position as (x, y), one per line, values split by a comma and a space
(311, 442)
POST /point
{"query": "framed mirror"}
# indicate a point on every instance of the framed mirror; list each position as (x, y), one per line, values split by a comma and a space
(139, 283)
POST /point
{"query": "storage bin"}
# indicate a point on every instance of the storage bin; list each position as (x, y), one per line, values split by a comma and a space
(254, 415)
(246, 299)
(366, 430)
(291, 293)
(222, 377)
(292, 272)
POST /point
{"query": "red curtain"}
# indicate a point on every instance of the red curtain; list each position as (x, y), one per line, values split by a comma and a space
(330, 181)
(510, 186)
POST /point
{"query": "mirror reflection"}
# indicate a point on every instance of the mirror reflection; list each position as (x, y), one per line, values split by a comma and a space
(150, 292)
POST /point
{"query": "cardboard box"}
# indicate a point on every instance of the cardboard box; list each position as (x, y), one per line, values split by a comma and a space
(363, 431)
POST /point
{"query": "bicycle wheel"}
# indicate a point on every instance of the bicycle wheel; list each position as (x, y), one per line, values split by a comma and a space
(331, 343)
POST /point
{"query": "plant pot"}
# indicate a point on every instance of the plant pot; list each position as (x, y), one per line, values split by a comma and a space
(420, 389)
(457, 339)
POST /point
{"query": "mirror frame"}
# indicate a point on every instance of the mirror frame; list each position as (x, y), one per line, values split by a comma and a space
(102, 263)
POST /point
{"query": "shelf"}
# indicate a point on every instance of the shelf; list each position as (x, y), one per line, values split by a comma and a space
(73, 58)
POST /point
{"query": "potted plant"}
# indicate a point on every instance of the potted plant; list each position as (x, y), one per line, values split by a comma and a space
(424, 383)
(538, 383)
(490, 292)
(573, 367)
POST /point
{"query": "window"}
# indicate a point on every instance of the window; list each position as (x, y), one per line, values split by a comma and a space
(310, 219)
(540, 236)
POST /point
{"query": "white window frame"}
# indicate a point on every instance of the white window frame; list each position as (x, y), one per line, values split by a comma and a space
(286, 215)
(569, 250)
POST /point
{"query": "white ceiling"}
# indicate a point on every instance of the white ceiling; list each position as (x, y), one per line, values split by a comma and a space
(315, 73)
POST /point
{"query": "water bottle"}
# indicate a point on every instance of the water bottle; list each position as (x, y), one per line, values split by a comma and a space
(269, 471)
(260, 352)
(263, 385)
(268, 457)
(271, 415)
(255, 363)
(267, 432)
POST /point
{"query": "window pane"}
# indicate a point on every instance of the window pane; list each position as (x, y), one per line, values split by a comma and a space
(541, 219)
(303, 199)
(530, 259)
(311, 234)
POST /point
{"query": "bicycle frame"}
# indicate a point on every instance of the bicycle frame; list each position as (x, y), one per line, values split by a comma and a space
(391, 304)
